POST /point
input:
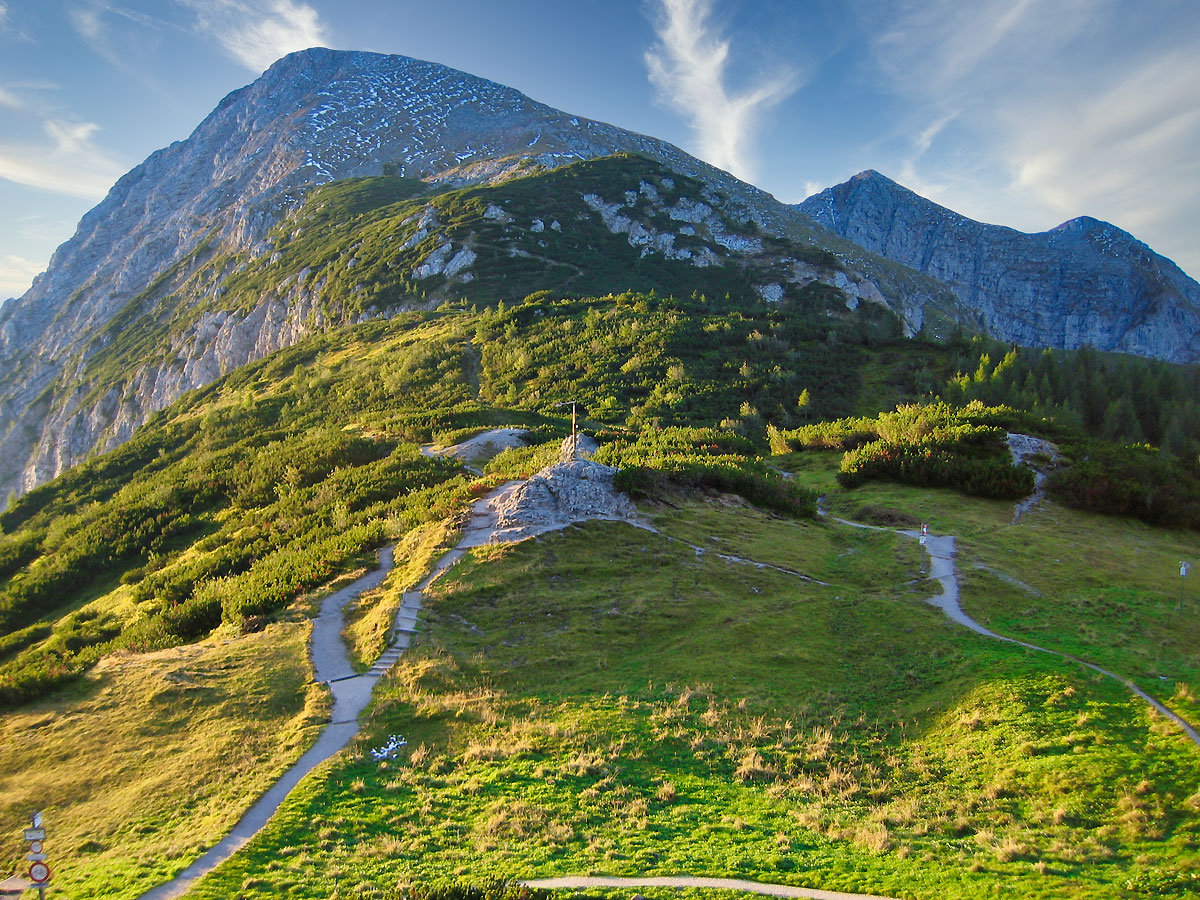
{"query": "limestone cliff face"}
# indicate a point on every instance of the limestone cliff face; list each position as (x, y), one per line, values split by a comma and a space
(1084, 283)
(314, 117)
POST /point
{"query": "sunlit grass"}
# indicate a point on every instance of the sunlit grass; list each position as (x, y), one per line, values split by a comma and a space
(149, 759)
(607, 700)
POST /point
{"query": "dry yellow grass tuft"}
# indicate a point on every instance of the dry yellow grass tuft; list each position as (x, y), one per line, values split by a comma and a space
(188, 737)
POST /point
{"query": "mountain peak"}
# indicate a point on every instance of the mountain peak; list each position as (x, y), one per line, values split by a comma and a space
(1087, 224)
(871, 175)
(315, 116)
(1084, 283)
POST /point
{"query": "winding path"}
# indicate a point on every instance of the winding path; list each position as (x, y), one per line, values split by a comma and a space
(942, 550)
(351, 691)
(726, 884)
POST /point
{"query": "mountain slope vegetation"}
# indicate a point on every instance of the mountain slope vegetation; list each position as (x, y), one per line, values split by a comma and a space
(218, 520)
(274, 326)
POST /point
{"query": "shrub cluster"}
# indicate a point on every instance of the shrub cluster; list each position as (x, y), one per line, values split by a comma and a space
(659, 461)
(929, 463)
(930, 445)
(1136, 481)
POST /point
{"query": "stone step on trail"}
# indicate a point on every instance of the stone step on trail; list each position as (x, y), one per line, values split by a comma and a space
(386, 660)
(405, 621)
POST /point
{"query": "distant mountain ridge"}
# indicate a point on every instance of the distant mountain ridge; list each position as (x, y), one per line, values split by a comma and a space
(1084, 283)
(149, 298)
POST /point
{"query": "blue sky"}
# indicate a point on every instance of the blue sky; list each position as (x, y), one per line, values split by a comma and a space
(1017, 112)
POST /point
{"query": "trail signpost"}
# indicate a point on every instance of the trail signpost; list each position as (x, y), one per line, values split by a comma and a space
(39, 873)
(1184, 568)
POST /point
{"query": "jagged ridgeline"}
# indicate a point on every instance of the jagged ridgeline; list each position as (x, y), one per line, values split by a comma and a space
(366, 247)
(180, 276)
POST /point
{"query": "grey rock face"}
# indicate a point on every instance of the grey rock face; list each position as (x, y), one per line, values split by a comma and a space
(1084, 283)
(315, 116)
(577, 490)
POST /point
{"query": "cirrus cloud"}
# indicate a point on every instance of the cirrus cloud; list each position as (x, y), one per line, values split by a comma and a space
(687, 66)
(255, 33)
(68, 163)
(1035, 111)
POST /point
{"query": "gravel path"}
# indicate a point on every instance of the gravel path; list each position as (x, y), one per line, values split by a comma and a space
(728, 884)
(941, 550)
(351, 691)
(942, 569)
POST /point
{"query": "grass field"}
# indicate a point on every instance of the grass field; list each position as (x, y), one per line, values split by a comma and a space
(1101, 588)
(610, 700)
(739, 694)
(150, 759)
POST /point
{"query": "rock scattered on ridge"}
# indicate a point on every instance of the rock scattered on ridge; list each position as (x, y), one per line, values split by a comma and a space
(569, 491)
(487, 445)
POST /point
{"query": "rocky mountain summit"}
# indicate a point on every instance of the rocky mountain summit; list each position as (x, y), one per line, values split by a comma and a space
(270, 223)
(1084, 283)
(174, 230)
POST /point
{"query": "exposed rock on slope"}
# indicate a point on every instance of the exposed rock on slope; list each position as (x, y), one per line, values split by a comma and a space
(1084, 283)
(173, 231)
(573, 489)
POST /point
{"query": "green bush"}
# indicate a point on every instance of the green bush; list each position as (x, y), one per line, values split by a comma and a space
(1136, 481)
(929, 445)
(659, 461)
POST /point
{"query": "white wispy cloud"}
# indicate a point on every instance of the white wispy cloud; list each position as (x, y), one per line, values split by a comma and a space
(87, 23)
(26, 95)
(1055, 100)
(687, 66)
(125, 38)
(1126, 153)
(952, 51)
(16, 273)
(68, 163)
(9, 27)
(257, 32)
(10, 99)
(921, 141)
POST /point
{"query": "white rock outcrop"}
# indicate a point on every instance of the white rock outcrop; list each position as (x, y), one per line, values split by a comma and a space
(573, 489)
(578, 490)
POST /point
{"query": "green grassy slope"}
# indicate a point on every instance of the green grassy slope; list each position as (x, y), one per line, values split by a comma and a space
(264, 484)
(606, 699)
